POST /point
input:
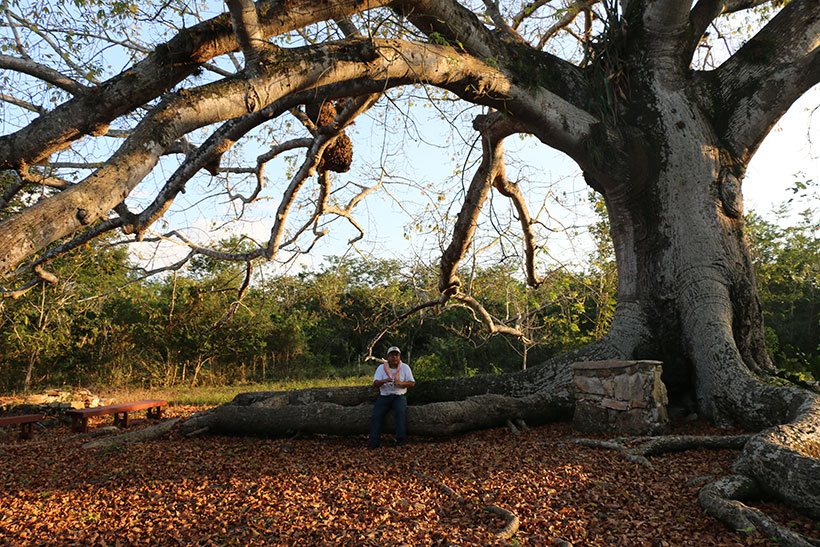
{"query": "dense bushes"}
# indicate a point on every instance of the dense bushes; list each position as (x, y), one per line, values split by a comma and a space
(98, 326)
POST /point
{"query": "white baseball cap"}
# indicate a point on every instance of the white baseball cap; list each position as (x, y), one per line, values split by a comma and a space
(392, 349)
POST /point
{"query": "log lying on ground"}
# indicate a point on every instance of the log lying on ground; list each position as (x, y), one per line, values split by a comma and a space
(553, 377)
(433, 419)
(435, 408)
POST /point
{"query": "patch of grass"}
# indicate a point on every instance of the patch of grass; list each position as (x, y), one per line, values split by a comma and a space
(217, 395)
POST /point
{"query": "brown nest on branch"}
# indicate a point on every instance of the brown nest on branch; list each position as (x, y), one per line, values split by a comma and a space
(339, 155)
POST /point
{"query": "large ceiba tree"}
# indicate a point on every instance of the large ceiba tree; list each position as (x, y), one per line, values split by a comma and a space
(663, 140)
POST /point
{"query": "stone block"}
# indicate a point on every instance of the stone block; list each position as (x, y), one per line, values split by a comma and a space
(615, 404)
(590, 418)
(589, 384)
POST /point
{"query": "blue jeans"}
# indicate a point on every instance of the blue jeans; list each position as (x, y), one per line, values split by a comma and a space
(383, 405)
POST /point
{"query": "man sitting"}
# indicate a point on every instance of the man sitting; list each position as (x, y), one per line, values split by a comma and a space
(392, 378)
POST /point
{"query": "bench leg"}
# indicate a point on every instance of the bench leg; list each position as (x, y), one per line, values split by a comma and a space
(155, 413)
(79, 424)
(121, 419)
(26, 431)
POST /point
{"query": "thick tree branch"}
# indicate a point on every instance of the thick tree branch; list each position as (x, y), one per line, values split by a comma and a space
(513, 191)
(170, 63)
(371, 66)
(494, 128)
(706, 11)
(756, 86)
(666, 17)
(463, 29)
(248, 31)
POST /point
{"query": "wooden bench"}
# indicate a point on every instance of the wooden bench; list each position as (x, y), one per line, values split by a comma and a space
(80, 416)
(26, 422)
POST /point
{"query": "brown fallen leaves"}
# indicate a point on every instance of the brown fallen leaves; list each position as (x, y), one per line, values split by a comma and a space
(332, 491)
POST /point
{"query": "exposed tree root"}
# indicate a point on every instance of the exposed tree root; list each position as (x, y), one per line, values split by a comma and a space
(197, 432)
(720, 499)
(139, 435)
(440, 485)
(651, 446)
(513, 429)
(512, 520)
(785, 460)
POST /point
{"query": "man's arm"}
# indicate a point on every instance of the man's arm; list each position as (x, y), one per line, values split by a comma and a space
(408, 382)
(379, 378)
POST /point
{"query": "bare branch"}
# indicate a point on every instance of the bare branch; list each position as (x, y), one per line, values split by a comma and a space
(243, 289)
(513, 191)
(493, 128)
(487, 319)
(706, 11)
(398, 320)
(169, 268)
(22, 104)
(42, 72)
(499, 21)
(569, 16)
(18, 42)
(527, 11)
(57, 49)
(259, 169)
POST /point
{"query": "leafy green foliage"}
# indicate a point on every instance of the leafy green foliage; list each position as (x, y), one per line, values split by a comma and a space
(95, 326)
(787, 267)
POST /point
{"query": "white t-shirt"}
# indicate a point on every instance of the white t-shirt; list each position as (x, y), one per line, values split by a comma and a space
(404, 373)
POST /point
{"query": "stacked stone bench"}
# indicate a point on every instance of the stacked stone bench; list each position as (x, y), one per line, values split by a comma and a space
(80, 416)
(626, 397)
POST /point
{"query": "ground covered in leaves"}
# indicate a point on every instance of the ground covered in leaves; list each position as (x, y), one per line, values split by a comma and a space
(327, 490)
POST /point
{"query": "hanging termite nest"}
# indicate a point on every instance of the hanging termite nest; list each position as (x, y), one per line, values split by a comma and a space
(339, 155)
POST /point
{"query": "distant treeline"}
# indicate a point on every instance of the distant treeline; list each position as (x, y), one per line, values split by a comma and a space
(99, 326)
